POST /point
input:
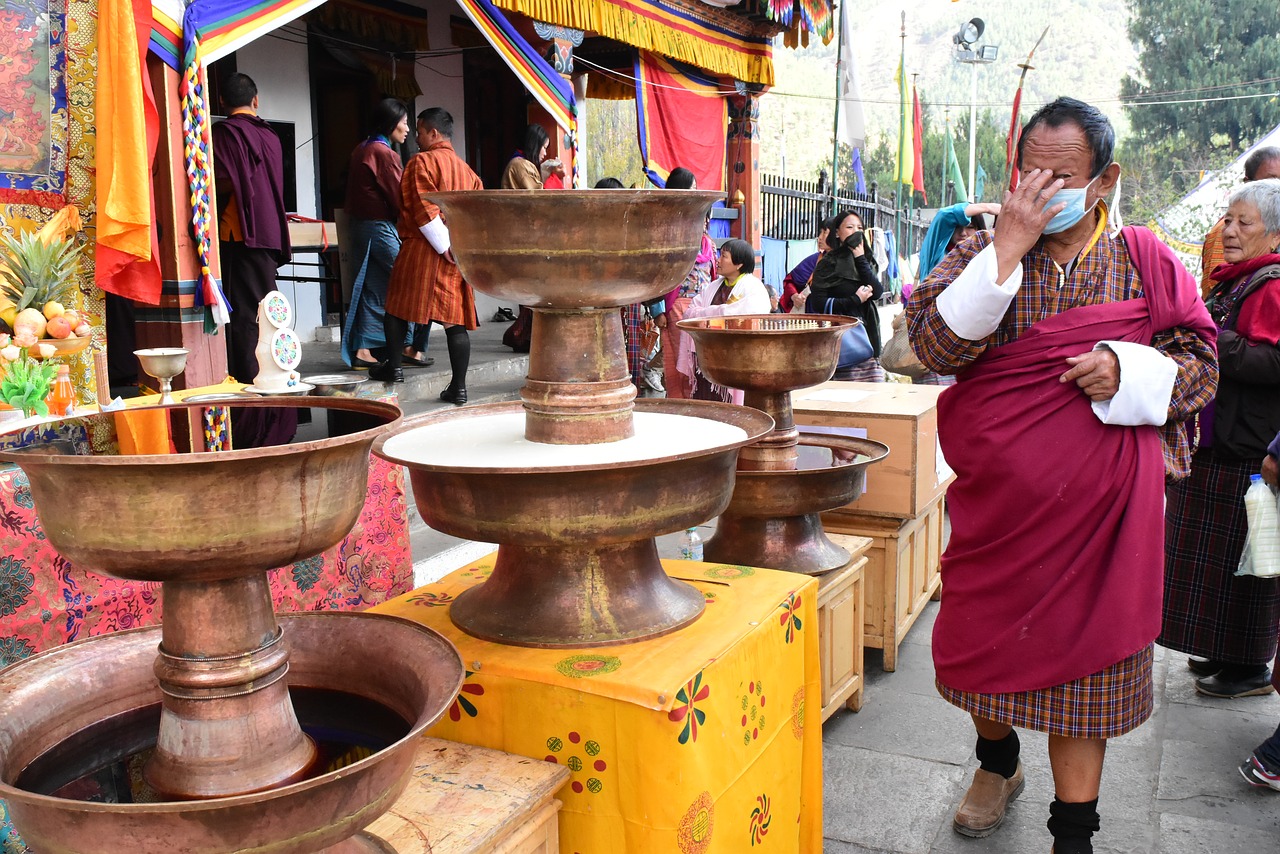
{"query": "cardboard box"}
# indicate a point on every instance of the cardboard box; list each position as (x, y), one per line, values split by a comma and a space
(904, 417)
(903, 572)
(840, 628)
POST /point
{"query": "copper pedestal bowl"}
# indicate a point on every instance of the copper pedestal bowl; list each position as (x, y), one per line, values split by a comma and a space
(773, 519)
(78, 718)
(577, 565)
(575, 257)
(209, 526)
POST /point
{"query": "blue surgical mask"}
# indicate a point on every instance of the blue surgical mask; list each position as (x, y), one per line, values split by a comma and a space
(1072, 213)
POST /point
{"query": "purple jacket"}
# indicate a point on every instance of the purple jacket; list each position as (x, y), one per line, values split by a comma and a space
(249, 165)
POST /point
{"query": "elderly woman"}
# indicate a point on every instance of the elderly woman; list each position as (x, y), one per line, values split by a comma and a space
(736, 291)
(1228, 623)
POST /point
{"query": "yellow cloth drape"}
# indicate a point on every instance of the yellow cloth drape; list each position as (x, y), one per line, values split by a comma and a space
(705, 740)
(124, 168)
(648, 26)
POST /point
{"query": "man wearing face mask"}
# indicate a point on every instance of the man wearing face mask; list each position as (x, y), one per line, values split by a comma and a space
(1078, 354)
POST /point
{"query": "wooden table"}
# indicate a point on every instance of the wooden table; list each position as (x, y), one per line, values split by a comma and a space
(464, 799)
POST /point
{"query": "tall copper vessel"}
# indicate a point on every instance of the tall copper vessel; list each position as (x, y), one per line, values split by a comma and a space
(773, 519)
(597, 475)
(208, 526)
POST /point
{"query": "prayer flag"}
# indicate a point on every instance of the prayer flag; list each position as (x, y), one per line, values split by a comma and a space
(953, 172)
(852, 129)
(917, 136)
(906, 150)
(860, 180)
(979, 182)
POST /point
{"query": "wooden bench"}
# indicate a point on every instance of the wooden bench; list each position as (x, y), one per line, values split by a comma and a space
(473, 800)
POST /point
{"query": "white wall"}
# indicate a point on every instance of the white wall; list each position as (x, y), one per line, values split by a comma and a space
(440, 77)
(279, 68)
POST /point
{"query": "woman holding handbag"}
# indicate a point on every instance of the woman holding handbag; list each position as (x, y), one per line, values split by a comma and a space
(845, 282)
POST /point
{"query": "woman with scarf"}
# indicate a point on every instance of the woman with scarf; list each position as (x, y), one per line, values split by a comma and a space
(1228, 623)
(669, 312)
(373, 206)
(845, 282)
(737, 291)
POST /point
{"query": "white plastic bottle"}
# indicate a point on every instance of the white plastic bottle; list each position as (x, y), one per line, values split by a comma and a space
(691, 545)
(1261, 555)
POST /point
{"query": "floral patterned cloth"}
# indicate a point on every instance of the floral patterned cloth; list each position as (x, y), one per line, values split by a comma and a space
(705, 740)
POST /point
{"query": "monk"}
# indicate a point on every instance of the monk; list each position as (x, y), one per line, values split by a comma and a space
(426, 285)
(1077, 353)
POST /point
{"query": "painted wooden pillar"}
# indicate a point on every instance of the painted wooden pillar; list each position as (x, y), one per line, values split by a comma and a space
(176, 321)
(561, 42)
(743, 157)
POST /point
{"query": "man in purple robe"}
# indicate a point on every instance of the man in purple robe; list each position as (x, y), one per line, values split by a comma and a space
(253, 237)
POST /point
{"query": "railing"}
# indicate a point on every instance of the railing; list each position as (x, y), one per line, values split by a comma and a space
(791, 209)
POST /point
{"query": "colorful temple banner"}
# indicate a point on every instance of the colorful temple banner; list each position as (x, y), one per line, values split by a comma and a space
(682, 116)
(546, 85)
(34, 123)
(662, 27)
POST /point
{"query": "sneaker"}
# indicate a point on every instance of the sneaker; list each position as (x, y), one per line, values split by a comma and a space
(652, 377)
(984, 805)
(1256, 774)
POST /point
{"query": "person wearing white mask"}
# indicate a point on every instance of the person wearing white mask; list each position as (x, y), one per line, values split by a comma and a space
(1078, 355)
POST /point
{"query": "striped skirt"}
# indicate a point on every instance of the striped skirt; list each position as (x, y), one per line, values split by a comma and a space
(868, 371)
(1106, 704)
(1208, 610)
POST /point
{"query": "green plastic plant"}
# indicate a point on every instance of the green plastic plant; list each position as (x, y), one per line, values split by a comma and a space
(26, 384)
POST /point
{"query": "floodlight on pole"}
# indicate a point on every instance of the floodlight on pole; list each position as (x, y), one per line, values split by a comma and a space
(964, 40)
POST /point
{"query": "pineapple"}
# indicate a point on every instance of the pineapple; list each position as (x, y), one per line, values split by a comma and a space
(34, 273)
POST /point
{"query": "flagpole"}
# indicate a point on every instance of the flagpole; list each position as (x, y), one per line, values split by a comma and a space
(1011, 154)
(902, 135)
(946, 130)
(911, 196)
(835, 125)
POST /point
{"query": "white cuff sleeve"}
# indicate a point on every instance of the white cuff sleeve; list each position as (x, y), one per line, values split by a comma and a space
(437, 234)
(1146, 385)
(973, 305)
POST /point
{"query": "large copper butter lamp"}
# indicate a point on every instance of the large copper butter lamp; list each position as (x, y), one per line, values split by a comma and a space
(576, 481)
(773, 519)
(209, 698)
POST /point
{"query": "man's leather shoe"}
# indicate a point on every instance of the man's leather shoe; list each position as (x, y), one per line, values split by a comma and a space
(384, 373)
(984, 805)
(1203, 666)
(1251, 686)
(456, 397)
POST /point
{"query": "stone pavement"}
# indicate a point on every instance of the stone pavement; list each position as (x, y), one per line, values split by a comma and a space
(895, 771)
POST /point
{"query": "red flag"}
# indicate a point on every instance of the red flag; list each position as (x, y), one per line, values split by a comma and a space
(1011, 145)
(917, 142)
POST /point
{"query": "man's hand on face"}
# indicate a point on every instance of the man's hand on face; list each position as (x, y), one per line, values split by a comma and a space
(1097, 373)
(1023, 216)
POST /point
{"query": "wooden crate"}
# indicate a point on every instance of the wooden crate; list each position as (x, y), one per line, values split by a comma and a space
(905, 417)
(840, 628)
(464, 799)
(903, 571)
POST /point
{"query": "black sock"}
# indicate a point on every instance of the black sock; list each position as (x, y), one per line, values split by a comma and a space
(1073, 825)
(395, 329)
(459, 343)
(999, 757)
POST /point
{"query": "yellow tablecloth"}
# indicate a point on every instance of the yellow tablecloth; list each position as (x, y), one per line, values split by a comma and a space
(705, 740)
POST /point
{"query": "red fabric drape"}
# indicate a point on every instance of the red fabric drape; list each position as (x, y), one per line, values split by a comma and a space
(683, 119)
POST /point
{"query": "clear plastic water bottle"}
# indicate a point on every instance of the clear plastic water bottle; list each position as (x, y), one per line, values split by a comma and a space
(691, 545)
(1261, 556)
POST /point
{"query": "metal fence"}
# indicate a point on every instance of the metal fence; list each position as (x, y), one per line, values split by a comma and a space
(792, 208)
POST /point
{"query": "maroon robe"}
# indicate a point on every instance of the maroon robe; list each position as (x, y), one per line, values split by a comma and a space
(1055, 566)
(248, 165)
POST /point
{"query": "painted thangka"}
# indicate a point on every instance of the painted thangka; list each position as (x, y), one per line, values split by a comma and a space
(34, 125)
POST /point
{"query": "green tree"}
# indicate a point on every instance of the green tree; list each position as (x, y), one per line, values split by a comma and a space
(1193, 51)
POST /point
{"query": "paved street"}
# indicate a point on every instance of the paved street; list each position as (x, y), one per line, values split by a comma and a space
(895, 772)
